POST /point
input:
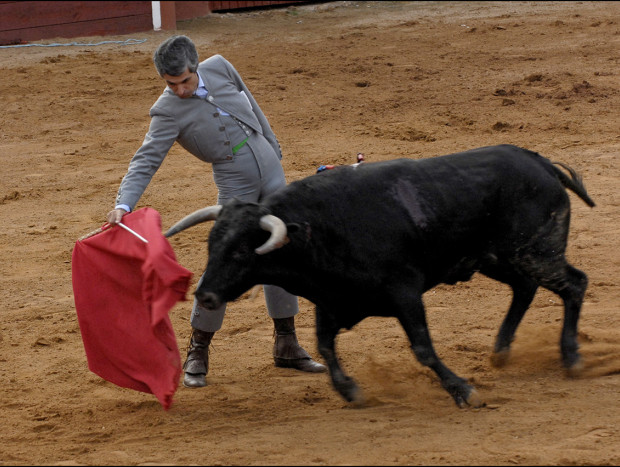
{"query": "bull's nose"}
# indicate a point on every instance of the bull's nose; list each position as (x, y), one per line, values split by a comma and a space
(208, 300)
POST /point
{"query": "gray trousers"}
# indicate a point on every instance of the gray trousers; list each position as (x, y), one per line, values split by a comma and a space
(255, 172)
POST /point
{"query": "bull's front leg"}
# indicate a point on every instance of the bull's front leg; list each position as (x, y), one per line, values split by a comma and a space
(326, 332)
(412, 318)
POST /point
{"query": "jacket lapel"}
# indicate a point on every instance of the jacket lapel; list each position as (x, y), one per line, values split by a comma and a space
(227, 107)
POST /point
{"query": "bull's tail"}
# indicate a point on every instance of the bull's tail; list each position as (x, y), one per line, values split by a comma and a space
(573, 183)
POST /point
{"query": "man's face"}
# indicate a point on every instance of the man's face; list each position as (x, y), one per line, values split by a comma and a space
(183, 85)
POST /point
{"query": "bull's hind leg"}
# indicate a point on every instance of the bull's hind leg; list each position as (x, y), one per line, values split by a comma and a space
(571, 289)
(413, 321)
(544, 261)
(326, 331)
(523, 291)
(570, 284)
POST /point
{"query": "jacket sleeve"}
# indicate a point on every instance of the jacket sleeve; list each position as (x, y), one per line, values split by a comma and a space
(264, 123)
(163, 132)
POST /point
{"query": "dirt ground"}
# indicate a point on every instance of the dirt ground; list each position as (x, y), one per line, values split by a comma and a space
(388, 79)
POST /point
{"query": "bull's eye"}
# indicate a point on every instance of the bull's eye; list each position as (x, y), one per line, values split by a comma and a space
(241, 253)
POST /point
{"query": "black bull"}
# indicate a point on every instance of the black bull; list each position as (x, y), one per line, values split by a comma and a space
(370, 240)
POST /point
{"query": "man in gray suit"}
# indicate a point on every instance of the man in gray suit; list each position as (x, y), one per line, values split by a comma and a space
(209, 111)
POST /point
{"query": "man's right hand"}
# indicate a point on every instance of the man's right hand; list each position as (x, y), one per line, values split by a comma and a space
(115, 215)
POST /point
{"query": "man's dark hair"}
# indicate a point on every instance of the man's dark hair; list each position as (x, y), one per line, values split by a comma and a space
(174, 55)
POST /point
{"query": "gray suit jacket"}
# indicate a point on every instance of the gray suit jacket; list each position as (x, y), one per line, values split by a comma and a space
(197, 126)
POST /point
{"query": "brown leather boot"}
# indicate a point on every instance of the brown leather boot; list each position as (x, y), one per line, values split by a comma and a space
(196, 364)
(287, 353)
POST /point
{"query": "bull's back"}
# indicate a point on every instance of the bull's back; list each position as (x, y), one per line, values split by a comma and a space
(435, 210)
(459, 189)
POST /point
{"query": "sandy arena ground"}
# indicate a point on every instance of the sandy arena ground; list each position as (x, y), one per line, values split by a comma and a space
(389, 79)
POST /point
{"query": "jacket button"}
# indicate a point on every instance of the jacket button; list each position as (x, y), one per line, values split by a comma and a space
(228, 158)
(226, 143)
(216, 114)
(222, 128)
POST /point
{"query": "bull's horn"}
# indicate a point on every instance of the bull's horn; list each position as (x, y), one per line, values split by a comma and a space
(202, 215)
(278, 237)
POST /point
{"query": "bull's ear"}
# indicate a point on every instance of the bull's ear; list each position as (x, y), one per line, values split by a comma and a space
(298, 233)
(293, 228)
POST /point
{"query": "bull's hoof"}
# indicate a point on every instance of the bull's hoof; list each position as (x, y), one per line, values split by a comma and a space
(350, 391)
(467, 397)
(358, 400)
(500, 359)
(576, 369)
(474, 399)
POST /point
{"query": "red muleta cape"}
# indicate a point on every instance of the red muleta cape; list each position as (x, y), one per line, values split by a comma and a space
(123, 290)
